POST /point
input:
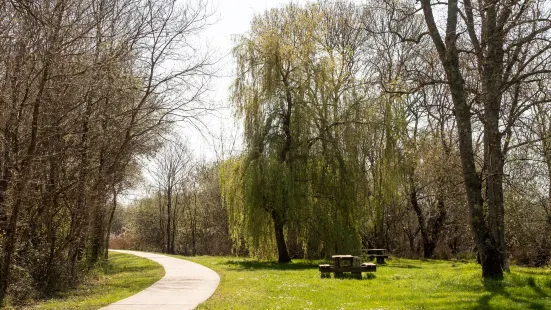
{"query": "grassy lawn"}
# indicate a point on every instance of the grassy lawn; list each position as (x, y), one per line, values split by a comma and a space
(401, 284)
(122, 276)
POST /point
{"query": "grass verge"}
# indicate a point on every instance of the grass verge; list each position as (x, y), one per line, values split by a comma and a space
(123, 275)
(401, 284)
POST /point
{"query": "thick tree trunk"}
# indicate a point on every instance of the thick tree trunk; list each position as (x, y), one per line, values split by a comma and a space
(492, 76)
(489, 245)
(283, 254)
(488, 231)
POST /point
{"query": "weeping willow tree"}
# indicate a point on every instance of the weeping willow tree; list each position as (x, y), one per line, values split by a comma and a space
(303, 95)
(387, 171)
(337, 103)
(249, 228)
(268, 94)
(288, 92)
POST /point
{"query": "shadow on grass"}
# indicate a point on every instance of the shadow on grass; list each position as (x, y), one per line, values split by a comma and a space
(256, 265)
(498, 288)
(422, 262)
(349, 276)
(534, 272)
(123, 265)
(131, 269)
(405, 266)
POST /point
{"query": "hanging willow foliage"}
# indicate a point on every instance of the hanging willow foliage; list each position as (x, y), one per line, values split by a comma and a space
(311, 126)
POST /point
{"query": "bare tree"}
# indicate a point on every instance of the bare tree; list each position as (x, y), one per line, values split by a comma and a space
(86, 90)
(170, 169)
(505, 42)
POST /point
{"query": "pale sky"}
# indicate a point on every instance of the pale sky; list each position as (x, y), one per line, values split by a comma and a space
(233, 17)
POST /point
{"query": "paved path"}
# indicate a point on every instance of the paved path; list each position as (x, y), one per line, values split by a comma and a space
(184, 286)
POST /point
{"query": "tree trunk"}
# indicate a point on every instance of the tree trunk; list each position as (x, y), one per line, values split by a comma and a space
(428, 247)
(438, 224)
(8, 250)
(492, 76)
(430, 229)
(161, 218)
(4, 184)
(168, 220)
(489, 237)
(488, 245)
(98, 234)
(173, 238)
(193, 241)
(109, 223)
(283, 254)
(20, 188)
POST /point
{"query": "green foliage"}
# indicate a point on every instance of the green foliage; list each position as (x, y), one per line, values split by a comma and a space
(248, 193)
(323, 152)
(388, 167)
(297, 93)
(231, 190)
(401, 284)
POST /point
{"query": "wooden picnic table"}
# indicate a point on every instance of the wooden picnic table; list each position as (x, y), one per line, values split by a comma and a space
(378, 254)
(346, 263)
(345, 260)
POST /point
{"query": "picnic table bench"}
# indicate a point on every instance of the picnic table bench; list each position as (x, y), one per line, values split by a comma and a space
(346, 263)
(378, 254)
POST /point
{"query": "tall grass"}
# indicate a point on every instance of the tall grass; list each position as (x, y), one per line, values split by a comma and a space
(122, 276)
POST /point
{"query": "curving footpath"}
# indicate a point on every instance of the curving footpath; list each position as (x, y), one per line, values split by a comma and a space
(184, 286)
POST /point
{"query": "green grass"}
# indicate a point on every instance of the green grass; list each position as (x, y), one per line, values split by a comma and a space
(401, 284)
(122, 276)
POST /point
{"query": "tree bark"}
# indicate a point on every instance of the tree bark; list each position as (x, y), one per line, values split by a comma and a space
(109, 224)
(489, 232)
(430, 232)
(20, 188)
(168, 220)
(173, 238)
(283, 254)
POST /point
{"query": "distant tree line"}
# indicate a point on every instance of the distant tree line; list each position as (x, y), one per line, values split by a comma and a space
(183, 211)
(86, 88)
